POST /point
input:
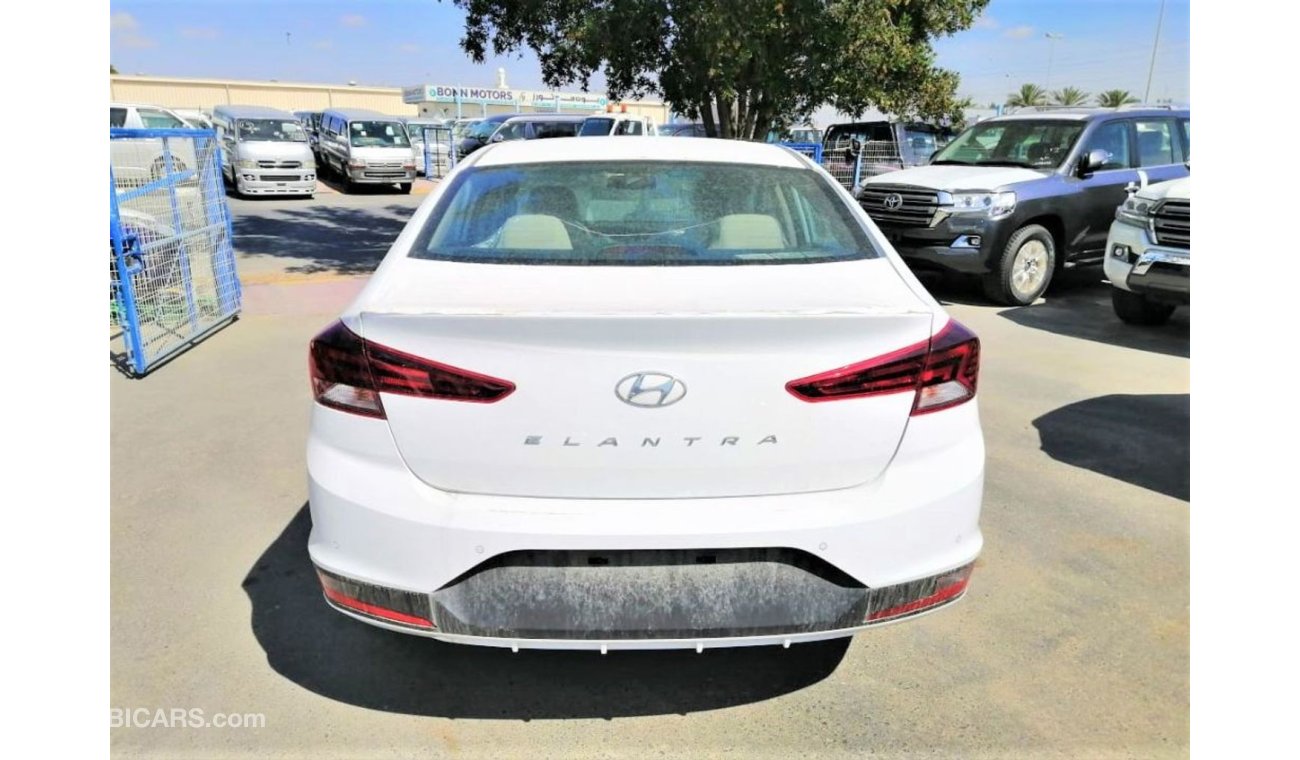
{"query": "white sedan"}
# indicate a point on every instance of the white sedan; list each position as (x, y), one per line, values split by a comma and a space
(609, 393)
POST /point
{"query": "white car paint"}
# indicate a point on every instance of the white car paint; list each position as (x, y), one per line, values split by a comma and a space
(420, 500)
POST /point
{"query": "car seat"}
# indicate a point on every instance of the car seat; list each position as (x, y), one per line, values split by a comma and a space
(749, 232)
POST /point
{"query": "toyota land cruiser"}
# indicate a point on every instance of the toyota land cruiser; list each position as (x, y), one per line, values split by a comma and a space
(1015, 198)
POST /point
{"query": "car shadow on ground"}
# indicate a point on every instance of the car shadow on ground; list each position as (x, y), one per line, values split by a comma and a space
(1076, 305)
(1140, 439)
(333, 239)
(349, 661)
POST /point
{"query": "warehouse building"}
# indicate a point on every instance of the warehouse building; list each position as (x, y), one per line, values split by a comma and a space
(432, 100)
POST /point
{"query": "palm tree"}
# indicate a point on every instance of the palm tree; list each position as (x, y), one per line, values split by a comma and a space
(1115, 98)
(1070, 96)
(1028, 95)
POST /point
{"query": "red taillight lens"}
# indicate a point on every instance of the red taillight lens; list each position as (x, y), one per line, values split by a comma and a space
(349, 373)
(892, 602)
(379, 602)
(941, 372)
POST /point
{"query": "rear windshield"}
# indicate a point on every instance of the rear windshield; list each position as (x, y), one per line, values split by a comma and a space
(641, 213)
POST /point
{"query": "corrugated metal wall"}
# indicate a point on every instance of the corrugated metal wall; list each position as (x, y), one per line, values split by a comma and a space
(205, 94)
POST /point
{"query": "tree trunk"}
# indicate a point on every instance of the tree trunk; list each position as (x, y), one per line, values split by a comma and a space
(742, 117)
(724, 117)
(706, 116)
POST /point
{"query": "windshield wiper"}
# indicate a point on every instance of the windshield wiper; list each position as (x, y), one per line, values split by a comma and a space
(950, 161)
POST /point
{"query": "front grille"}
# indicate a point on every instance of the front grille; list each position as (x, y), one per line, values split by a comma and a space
(280, 178)
(383, 164)
(917, 206)
(1171, 224)
(279, 164)
(384, 175)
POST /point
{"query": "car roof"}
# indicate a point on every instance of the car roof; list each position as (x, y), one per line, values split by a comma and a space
(686, 149)
(360, 113)
(251, 112)
(543, 117)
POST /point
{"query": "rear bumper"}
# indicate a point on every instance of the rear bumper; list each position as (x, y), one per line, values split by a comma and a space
(374, 522)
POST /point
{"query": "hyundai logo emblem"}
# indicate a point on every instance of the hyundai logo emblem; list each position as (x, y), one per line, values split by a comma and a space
(892, 201)
(650, 389)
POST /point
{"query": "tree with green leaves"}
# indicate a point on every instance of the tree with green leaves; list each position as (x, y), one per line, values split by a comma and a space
(1115, 98)
(739, 66)
(1070, 96)
(1027, 95)
(112, 69)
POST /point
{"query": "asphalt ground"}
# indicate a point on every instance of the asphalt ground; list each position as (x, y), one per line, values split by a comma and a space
(1072, 642)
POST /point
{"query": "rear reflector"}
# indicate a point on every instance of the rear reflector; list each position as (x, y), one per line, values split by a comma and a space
(349, 372)
(905, 599)
(378, 602)
(941, 372)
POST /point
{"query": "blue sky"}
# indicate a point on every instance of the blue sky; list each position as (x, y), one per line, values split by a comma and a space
(1105, 44)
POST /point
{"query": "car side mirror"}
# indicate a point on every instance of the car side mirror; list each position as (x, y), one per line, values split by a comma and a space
(498, 137)
(1092, 161)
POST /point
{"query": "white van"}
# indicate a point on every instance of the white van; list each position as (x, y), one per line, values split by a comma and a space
(618, 124)
(264, 151)
(137, 161)
(366, 147)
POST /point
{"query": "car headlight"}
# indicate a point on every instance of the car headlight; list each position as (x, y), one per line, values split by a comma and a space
(245, 163)
(1135, 210)
(357, 163)
(993, 205)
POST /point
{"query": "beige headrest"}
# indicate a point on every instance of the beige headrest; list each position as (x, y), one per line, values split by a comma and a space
(536, 232)
(749, 232)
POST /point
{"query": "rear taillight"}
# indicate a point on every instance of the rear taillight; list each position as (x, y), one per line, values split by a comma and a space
(906, 599)
(349, 373)
(941, 372)
(379, 602)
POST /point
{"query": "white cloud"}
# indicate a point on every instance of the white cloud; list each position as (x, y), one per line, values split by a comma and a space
(1019, 32)
(353, 20)
(124, 31)
(986, 22)
(200, 33)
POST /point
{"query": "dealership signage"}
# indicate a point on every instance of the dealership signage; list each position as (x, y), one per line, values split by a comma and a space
(437, 93)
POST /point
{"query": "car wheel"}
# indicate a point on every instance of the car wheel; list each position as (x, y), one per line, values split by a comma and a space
(405, 187)
(1025, 268)
(1136, 309)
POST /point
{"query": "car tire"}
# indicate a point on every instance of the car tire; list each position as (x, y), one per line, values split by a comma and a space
(1024, 270)
(1137, 309)
(405, 187)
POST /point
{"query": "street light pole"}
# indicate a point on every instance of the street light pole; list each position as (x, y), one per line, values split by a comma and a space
(1052, 37)
(1146, 98)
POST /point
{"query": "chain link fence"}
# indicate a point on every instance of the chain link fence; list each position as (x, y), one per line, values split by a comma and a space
(171, 264)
